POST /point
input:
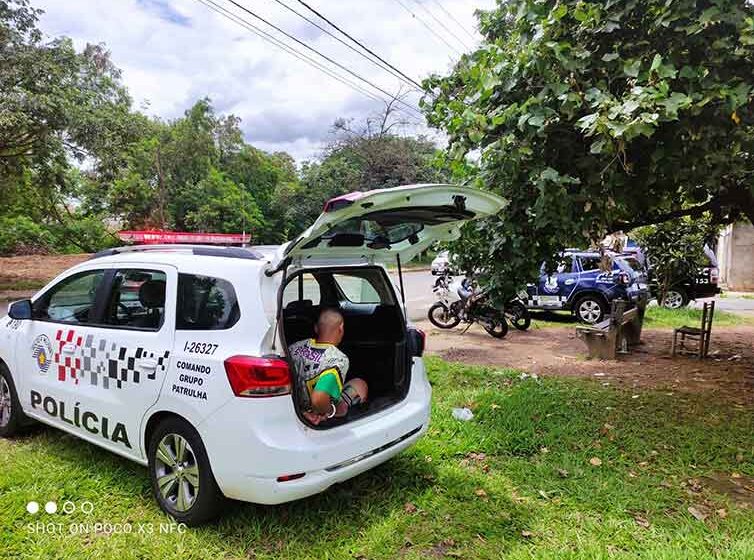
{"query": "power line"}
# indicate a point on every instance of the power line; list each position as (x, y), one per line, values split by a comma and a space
(362, 45)
(441, 24)
(458, 23)
(281, 45)
(432, 31)
(385, 66)
(330, 60)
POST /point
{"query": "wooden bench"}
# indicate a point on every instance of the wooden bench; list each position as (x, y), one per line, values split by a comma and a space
(617, 333)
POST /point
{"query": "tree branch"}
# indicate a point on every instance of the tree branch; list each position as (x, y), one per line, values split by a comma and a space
(694, 211)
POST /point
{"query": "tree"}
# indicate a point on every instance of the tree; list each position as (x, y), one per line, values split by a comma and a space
(675, 249)
(363, 155)
(590, 117)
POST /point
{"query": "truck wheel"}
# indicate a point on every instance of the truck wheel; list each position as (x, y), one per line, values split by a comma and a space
(590, 309)
(12, 418)
(182, 479)
(675, 298)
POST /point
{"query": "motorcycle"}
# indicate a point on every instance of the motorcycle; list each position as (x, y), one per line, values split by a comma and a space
(459, 301)
(515, 310)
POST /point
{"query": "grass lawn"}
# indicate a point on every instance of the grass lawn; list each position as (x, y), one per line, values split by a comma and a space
(553, 468)
(658, 317)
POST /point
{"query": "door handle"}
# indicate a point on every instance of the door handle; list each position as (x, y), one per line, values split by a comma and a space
(68, 349)
(148, 365)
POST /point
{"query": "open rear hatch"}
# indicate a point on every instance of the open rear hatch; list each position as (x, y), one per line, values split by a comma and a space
(382, 225)
(325, 267)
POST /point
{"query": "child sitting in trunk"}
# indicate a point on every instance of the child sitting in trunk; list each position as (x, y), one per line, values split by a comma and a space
(320, 372)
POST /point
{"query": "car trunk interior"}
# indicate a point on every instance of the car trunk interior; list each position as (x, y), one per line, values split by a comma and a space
(375, 332)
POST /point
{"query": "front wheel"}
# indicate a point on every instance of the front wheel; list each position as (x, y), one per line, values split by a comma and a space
(590, 310)
(675, 299)
(12, 418)
(182, 480)
(519, 316)
(440, 316)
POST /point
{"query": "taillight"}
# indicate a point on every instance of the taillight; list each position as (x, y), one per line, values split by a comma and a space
(714, 275)
(250, 376)
(417, 339)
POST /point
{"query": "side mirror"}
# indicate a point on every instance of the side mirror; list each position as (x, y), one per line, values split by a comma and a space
(20, 310)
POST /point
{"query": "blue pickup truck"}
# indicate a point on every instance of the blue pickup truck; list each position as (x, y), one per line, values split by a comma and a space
(579, 285)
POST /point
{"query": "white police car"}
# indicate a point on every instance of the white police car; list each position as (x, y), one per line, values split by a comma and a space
(175, 357)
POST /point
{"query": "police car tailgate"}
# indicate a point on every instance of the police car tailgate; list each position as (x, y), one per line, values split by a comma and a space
(385, 224)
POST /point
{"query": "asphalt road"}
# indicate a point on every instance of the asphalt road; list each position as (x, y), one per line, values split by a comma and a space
(419, 296)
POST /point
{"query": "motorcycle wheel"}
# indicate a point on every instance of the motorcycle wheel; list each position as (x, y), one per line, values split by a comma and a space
(519, 316)
(440, 316)
(496, 328)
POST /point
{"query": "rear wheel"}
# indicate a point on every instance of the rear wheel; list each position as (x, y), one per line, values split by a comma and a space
(12, 418)
(440, 316)
(519, 316)
(182, 480)
(496, 327)
(590, 309)
(675, 299)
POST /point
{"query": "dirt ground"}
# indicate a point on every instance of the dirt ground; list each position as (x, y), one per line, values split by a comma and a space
(31, 272)
(727, 374)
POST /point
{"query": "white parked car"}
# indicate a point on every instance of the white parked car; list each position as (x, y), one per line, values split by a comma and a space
(176, 356)
(441, 263)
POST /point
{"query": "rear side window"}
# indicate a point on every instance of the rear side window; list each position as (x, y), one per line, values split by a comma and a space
(205, 303)
(302, 288)
(71, 300)
(366, 286)
(137, 299)
(590, 263)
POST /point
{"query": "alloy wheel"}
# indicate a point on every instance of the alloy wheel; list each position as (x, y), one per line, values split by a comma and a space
(177, 472)
(589, 311)
(673, 300)
(5, 402)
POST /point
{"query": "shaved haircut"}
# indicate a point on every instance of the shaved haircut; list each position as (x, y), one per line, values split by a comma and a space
(329, 320)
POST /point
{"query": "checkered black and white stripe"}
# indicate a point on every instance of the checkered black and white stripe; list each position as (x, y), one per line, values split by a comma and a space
(104, 363)
(552, 301)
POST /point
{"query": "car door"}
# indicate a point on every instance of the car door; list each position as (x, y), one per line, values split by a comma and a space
(48, 365)
(125, 356)
(384, 225)
(555, 288)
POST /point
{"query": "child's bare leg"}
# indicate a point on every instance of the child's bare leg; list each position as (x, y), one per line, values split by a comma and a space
(355, 392)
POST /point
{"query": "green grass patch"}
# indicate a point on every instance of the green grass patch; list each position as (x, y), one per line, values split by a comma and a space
(659, 317)
(516, 482)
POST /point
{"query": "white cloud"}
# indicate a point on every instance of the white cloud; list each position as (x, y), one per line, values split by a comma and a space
(173, 52)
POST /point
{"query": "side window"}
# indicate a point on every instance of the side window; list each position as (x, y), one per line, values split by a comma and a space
(565, 266)
(72, 300)
(302, 287)
(357, 289)
(589, 264)
(205, 303)
(137, 299)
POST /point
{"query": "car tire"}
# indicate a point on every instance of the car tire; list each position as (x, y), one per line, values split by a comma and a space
(675, 298)
(182, 479)
(12, 418)
(590, 309)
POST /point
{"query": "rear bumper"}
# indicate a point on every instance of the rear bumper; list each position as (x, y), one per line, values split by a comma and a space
(252, 442)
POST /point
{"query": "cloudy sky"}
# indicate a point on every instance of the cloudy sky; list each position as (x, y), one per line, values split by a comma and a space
(173, 52)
